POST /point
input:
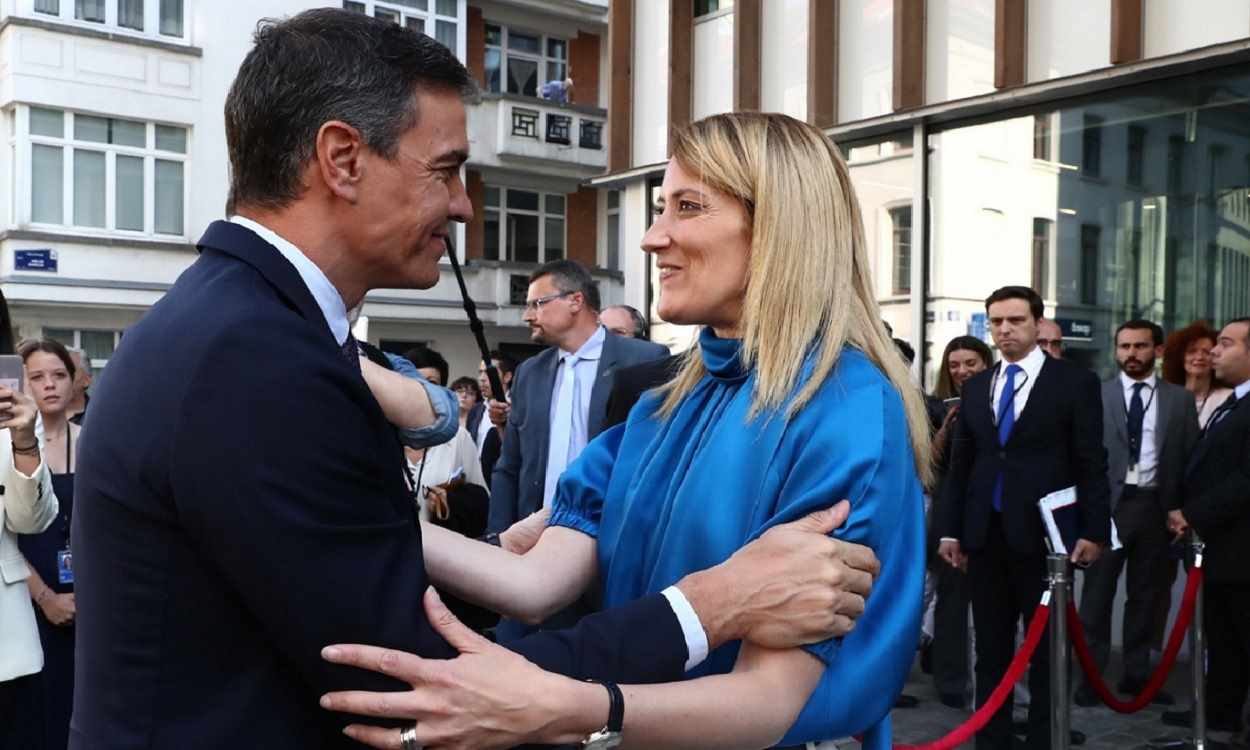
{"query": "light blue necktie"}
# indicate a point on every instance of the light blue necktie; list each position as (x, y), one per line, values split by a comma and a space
(564, 427)
(1006, 420)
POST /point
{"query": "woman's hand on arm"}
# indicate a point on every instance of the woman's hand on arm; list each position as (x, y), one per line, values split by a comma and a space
(489, 697)
(527, 587)
(404, 400)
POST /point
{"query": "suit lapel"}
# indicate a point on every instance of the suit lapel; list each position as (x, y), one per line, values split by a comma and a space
(1166, 403)
(1210, 434)
(608, 357)
(1037, 395)
(1114, 397)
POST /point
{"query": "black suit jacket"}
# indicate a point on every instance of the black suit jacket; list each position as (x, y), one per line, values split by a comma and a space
(1056, 442)
(631, 382)
(241, 504)
(1217, 495)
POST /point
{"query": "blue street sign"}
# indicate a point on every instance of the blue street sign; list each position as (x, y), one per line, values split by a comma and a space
(42, 259)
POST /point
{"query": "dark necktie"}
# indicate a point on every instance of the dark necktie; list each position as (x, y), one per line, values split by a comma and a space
(1229, 404)
(1136, 416)
(351, 352)
(1006, 421)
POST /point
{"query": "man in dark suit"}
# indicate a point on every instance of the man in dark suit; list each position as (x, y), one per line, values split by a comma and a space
(256, 509)
(629, 383)
(1149, 428)
(553, 415)
(1027, 427)
(1217, 506)
(559, 401)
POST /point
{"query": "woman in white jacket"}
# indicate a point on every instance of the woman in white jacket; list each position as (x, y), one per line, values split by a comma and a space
(27, 506)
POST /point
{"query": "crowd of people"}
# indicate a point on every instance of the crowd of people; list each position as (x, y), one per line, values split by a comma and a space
(627, 545)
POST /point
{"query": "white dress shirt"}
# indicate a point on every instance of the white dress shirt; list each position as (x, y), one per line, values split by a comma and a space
(584, 369)
(1147, 463)
(1032, 365)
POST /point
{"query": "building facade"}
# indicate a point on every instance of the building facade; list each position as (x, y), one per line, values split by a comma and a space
(113, 158)
(1097, 150)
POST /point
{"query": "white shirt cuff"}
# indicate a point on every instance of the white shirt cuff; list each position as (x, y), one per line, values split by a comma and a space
(696, 638)
(948, 539)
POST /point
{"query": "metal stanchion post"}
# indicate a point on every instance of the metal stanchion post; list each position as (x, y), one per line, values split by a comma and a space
(1197, 655)
(1059, 570)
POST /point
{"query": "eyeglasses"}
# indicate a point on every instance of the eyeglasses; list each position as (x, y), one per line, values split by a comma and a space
(1047, 343)
(534, 305)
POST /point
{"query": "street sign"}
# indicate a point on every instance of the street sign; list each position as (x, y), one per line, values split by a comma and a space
(41, 259)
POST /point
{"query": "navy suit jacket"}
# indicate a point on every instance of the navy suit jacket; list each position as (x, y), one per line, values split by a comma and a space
(517, 484)
(1056, 443)
(1217, 495)
(241, 504)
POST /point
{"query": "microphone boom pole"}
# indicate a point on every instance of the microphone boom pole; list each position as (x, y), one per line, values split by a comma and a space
(475, 325)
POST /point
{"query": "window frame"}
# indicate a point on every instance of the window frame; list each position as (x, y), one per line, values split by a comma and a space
(97, 364)
(429, 17)
(151, 19)
(609, 212)
(542, 58)
(24, 141)
(1041, 250)
(900, 283)
(502, 211)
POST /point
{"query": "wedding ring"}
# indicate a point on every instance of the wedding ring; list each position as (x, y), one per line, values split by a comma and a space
(408, 739)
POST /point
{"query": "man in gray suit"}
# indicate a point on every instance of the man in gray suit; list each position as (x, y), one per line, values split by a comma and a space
(559, 397)
(1149, 428)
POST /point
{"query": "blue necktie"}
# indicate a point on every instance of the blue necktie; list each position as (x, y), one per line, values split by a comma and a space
(1006, 420)
(1136, 420)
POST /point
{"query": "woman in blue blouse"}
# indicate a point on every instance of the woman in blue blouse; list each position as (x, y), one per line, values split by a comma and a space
(793, 398)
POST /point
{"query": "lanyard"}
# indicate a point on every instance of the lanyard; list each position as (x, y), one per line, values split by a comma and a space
(999, 414)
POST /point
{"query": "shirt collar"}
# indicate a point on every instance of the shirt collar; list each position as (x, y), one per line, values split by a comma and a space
(1242, 390)
(591, 349)
(1127, 383)
(323, 292)
(1031, 364)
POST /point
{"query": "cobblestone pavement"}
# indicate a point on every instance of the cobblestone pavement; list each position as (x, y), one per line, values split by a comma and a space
(1105, 729)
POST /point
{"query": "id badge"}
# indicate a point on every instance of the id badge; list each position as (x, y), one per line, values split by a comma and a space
(65, 566)
(1130, 476)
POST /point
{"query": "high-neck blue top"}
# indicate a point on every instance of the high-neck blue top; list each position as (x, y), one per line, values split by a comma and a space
(668, 497)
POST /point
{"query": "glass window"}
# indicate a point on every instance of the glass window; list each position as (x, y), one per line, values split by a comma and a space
(89, 10)
(171, 17)
(89, 190)
(169, 197)
(520, 42)
(50, 122)
(494, 35)
(490, 248)
(128, 172)
(900, 221)
(522, 237)
(554, 239)
(87, 128)
(354, 6)
(130, 14)
(47, 184)
(415, 4)
(98, 344)
(1135, 165)
(492, 196)
(173, 139)
(386, 14)
(704, 7)
(614, 199)
(1091, 146)
(555, 204)
(445, 33)
(614, 241)
(522, 76)
(523, 200)
(493, 81)
(51, 7)
(129, 133)
(1041, 256)
(1041, 136)
(445, 7)
(1091, 234)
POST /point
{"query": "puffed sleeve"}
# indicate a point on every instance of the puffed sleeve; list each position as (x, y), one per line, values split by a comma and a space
(860, 450)
(578, 502)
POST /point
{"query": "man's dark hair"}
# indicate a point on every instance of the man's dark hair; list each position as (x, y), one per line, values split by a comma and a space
(1140, 324)
(422, 356)
(503, 362)
(905, 350)
(1018, 292)
(570, 276)
(321, 65)
(1247, 322)
(640, 323)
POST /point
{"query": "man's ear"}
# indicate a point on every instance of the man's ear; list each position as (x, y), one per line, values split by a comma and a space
(339, 162)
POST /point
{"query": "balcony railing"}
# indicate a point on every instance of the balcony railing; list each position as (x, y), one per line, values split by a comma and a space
(591, 135)
(558, 127)
(551, 132)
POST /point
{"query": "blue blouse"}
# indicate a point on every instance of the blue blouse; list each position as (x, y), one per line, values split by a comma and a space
(666, 498)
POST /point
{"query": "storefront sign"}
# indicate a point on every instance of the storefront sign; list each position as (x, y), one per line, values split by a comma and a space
(1076, 330)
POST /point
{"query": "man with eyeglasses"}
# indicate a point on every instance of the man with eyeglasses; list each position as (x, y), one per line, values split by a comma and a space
(559, 399)
(1050, 337)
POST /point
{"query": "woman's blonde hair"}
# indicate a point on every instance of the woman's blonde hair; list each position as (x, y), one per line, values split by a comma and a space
(809, 288)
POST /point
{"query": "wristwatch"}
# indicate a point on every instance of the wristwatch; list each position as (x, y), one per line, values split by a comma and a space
(610, 736)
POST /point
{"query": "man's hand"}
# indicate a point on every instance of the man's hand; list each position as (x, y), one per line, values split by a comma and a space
(521, 536)
(488, 697)
(1085, 553)
(951, 551)
(499, 411)
(792, 586)
(1177, 524)
(59, 609)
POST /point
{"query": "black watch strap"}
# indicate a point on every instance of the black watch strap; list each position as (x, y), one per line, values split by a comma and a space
(492, 538)
(616, 707)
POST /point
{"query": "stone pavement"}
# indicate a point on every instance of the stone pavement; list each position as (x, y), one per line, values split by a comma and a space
(1105, 729)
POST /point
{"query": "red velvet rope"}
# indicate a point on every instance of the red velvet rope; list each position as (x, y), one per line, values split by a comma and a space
(978, 720)
(1165, 666)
